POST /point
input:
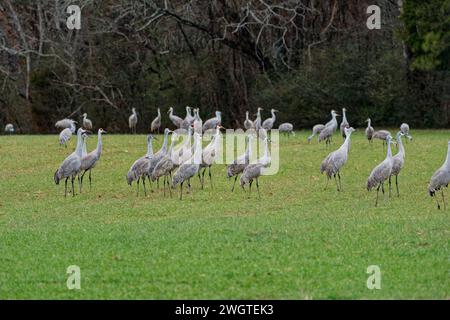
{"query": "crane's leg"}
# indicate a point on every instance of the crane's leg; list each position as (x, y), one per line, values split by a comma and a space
(382, 188)
(257, 188)
(437, 201)
(157, 183)
(250, 188)
(210, 177)
(378, 190)
(340, 184)
(90, 179)
(189, 185)
(138, 187)
(65, 189)
(235, 179)
(335, 179)
(181, 191)
(165, 178)
(73, 186)
(81, 183)
(443, 199)
(396, 184)
(145, 189)
(390, 186)
(203, 178)
(168, 186)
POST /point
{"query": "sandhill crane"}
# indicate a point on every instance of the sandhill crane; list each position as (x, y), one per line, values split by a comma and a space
(66, 123)
(198, 124)
(190, 168)
(257, 122)
(184, 152)
(344, 123)
(440, 179)
(139, 169)
(160, 154)
(327, 132)
(189, 118)
(333, 163)
(175, 119)
(398, 161)
(165, 166)
(254, 171)
(213, 122)
(87, 124)
(9, 128)
(248, 124)
(287, 128)
(369, 130)
(209, 155)
(317, 129)
(70, 167)
(268, 123)
(90, 160)
(65, 135)
(381, 172)
(239, 164)
(381, 135)
(156, 123)
(133, 120)
(404, 128)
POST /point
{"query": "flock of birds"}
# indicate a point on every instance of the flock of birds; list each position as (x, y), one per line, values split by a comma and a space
(177, 166)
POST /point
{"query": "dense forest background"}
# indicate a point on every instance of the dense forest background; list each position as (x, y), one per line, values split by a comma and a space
(301, 57)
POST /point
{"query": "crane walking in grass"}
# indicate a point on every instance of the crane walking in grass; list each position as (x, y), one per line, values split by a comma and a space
(190, 168)
(268, 123)
(209, 154)
(159, 155)
(165, 166)
(238, 165)
(257, 122)
(156, 123)
(382, 172)
(71, 166)
(382, 135)
(316, 130)
(398, 162)
(248, 124)
(327, 132)
(139, 169)
(440, 179)
(90, 160)
(334, 162)
(344, 123)
(133, 120)
(254, 171)
(287, 128)
(369, 130)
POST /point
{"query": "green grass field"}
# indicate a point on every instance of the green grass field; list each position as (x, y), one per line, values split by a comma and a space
(298, 242)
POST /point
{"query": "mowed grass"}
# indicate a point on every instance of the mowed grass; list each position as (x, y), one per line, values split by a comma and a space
(298, 242)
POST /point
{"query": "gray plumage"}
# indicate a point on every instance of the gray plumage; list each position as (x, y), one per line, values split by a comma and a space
(90, 160)
(327, 132)
(440, 179)
(344, 123)
(87, 124)
(239, 164)
(156, 123)
(268, 123)
(64, 136)
(381, 134)
(404, 128)
(248, 124)
(189, 118)
(66, 123)
(257, 122)
(140, 168)
(213, 122)
(317, 129)
(165, 166)
(369, 130)
(333, 163)
(133, 120)
(70, 167)
(177, 121)
(9, 128)
(188, 169)
(381, 172)
(398, 161)
(160, 154)
(198, 123)
(209, 155)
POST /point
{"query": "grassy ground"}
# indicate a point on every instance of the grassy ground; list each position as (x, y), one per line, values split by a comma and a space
(299, 241)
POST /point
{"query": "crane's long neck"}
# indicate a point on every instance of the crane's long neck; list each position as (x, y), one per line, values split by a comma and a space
(401, 148)
(84, 152)
(346, 143)
(99, 144)
(273, 116)
(344, 116)
(149, 149)
(369, 123)
(266, 153)
(197, 150)
(159, 113)
(447, 160)
(172, 143)
(389, 151)
(79, 149)
(166, 137)
(246, 116)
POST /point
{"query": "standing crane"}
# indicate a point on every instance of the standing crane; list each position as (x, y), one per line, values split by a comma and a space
(66, 134)
(190, 168)
(268, 123)
(440, 179)
(381, 172)
(159, 155)
(316, 130)
(198, 123)
(87, 124)
(257, 122)
(327, 132)
(369, 130)
(344, 123)
(333, 163)
(398, 161)
(287, 128)
(175, 119)
(239, 164)
(133, 120)
(165, 166)
(156, 123)
(213, 122)
(70, 167)
(254, 171)
(189, 118)
(9, 128)
(248, 124)
(209, 155)
(139, 169)
(90, 160)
